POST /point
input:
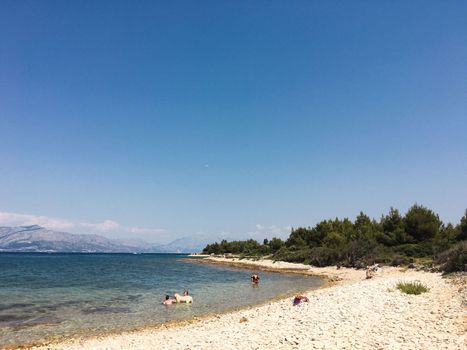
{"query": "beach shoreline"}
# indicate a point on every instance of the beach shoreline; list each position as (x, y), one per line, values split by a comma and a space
(83, 336)
(330, 273)
(438, 323)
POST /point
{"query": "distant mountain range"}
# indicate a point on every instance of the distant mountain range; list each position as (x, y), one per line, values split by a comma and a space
(39, 239)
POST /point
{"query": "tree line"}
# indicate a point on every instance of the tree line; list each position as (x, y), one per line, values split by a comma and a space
(395, 239)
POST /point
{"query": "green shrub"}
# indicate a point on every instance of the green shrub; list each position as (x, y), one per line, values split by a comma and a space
(454, 259)
(379, 255)
(362, 252)
(399, 260)
(415, 250)
(426, 261)
(323, 256)
(356, 252)
(412, 287)
(294, 256)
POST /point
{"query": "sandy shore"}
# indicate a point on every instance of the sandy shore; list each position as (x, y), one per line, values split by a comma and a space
(330, 273)
(352, 313)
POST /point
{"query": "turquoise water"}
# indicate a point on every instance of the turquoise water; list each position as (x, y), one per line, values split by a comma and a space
(50, 295)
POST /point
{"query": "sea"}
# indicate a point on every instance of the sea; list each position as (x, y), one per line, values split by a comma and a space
(47, 297)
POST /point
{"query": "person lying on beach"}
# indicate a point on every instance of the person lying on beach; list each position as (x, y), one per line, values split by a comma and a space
(254, 279)
(168, 300)
(300, 298)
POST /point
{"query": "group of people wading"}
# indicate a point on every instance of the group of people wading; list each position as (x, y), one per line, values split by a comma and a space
(177, 298)
(187, 298)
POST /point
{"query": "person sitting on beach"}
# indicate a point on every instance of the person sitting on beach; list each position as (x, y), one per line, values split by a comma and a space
(371, 270)
(185, 293)
(168, 300)
(254, 279)
(300, 298)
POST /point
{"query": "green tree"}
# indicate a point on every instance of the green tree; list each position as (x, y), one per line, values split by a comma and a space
(393, 221)
(251, 246)
(345, 228)
(420, 233)
(224, 247)
(275, 244)
(298, 238)
(334, 240)
(444, 239)
(362, 223)
(462, 228)
(421, 223)
(320, 232)
(212, 249)
(393, 231)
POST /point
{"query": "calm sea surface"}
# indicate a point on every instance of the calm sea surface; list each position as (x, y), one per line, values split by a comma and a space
(60, 295)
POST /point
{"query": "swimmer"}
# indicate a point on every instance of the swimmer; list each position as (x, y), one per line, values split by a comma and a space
(168, 300)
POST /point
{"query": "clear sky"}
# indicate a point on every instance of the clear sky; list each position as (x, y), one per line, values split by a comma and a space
(158, 120)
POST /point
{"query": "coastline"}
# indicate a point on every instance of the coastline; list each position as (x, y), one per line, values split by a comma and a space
(349, 312)
(84, 335)
(331, 273)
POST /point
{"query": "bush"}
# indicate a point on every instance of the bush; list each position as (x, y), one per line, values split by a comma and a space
(294, 256)
(362, 252)
(356, 251)
(323, 256)
(454, 259)
(415, 250)
(379, 255)
(412, 287)
(399, 260)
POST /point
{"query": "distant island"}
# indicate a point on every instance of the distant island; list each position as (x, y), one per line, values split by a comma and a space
(418, 237)
(35, 238)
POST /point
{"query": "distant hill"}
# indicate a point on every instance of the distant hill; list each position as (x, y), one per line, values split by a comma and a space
(39, 239)
(189, 244)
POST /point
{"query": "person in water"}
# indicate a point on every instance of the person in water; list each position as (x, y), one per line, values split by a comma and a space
(168, 300)
(254, 279)
(299, 299)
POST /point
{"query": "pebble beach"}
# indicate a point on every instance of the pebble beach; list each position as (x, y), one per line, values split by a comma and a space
(351, 312)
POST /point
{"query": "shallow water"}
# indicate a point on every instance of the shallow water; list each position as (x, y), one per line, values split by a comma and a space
(60, 295)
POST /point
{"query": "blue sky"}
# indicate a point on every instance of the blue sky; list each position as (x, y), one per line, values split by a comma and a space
(157, 120)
